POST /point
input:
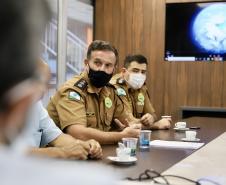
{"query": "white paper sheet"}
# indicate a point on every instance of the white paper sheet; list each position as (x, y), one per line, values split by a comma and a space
(175, 144)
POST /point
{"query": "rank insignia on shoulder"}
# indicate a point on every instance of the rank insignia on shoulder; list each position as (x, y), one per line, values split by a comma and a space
(108, 102)
(121, 92)
(74, 96)
(141, 97)
(81, 84)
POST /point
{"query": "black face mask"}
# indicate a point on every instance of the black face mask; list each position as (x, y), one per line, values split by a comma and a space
(99, 78)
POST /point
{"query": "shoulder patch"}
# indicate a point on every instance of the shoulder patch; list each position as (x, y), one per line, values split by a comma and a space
(121, 92)
(74, 96)
(81, 84)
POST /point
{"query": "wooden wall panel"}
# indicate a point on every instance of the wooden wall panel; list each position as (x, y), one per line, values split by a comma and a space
(137, 26)
(223, 102)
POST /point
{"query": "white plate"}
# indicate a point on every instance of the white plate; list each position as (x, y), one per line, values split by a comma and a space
(180, 129)
(193, 140)
(117, 160)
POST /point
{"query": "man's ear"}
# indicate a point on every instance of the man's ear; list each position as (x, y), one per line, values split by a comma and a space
(123, 71)
(86, 61)
(115, 69)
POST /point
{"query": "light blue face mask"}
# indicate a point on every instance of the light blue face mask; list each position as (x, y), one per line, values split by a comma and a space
(136, 80)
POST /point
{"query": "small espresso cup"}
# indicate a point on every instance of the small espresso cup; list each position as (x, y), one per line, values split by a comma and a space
(123, 153)
(191, 134)
(180, 124)
(130, 143)
(167, 117)
(145, 136)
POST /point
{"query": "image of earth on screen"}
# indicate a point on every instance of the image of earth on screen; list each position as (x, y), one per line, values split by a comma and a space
(195, 31)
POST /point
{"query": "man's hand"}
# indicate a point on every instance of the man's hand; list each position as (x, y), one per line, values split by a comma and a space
(127, 123)
(95, 149)
(163, 123)
(77, 150)
(132, 131)
(147, 120)
(129, 129)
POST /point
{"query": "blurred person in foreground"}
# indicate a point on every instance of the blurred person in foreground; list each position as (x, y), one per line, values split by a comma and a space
(44, 138)
(131, 87)
(87, 106)
(22, 23)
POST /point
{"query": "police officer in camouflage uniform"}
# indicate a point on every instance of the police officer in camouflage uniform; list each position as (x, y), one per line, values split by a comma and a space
(86, 106)
(130, 85)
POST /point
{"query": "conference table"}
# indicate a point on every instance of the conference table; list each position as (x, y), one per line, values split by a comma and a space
(160, 159)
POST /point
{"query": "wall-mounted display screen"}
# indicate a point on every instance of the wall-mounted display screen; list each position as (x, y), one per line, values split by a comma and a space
(195, 31)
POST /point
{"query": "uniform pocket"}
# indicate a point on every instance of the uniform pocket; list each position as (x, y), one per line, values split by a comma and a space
(91, 119)
(108, 118)
(139, 107)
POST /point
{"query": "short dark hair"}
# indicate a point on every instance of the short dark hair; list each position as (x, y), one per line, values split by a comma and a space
(100, 45)
(140, 59)
(21, 25)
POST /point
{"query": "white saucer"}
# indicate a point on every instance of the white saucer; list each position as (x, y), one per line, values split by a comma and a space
(189, 140)
(117, 160)
(180, 129)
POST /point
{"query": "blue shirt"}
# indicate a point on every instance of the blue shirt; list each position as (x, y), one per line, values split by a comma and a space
(39, 130)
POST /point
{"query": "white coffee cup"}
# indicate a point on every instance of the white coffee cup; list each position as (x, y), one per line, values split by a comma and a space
(191, 135)
(167, 117)
(180, 124)
(123, 153)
